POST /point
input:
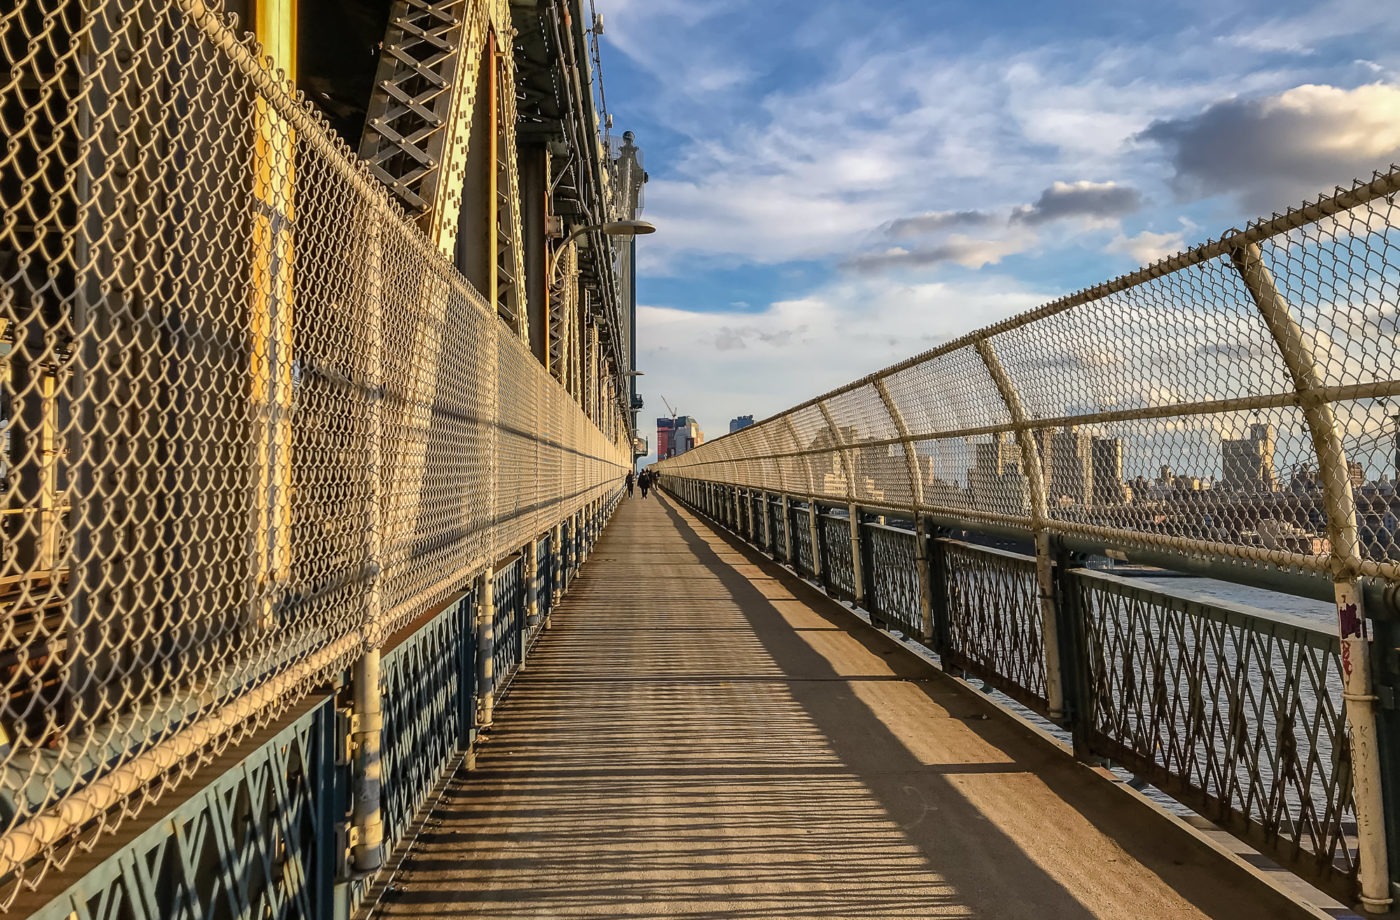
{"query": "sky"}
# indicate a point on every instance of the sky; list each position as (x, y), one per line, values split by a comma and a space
(837, 186)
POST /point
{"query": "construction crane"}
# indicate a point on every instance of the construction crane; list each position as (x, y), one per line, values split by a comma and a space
(671, 440)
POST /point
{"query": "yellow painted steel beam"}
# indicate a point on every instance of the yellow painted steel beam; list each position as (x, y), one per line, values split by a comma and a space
(271, 308)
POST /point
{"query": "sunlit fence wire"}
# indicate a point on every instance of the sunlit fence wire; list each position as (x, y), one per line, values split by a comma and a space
(1212, 403)
(253, 420)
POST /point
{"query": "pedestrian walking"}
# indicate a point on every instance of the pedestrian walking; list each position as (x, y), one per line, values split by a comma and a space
(646, 482)
(631, 483)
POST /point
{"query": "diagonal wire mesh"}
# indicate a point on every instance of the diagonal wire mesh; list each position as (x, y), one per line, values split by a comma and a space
(1174, 408)
(253, 420)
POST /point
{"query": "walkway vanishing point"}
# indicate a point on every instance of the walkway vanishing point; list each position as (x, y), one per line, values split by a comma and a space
(701, 734)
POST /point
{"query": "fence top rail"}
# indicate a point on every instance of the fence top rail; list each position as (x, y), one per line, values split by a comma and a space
(965, 546)
(892, 528)
(1255, 619)
(1383, 184)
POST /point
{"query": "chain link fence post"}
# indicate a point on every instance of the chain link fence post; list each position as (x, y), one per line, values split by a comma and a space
(922, 551)
(532, 584)
(1039, 516)
(486, 647)
(1299, 359)
(859, 568)
(368, 719)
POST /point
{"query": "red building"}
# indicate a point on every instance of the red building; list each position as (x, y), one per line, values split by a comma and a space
(665, 427)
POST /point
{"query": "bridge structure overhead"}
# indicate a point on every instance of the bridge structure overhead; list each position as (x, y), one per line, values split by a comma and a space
(316, 387)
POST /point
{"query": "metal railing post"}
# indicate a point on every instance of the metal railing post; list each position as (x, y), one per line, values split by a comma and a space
(921, 561)
(737, 525)
(785, 510)
(939, 597)
(1367, 792)
(814, 522)
(575, 545)
(486, 648)
(1074, 651)
(532, 584)
(368, 852)
(764, 501)
(556, 573)
(857, 557)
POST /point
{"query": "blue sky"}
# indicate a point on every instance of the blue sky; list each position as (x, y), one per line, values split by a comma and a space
(839, 185)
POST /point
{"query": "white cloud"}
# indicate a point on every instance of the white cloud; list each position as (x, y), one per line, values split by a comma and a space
(956, 249)
(716, 366)
(1148, 247)
(1091, 201)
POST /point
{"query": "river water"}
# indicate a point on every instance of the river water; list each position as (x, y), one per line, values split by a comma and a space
(1269, 601)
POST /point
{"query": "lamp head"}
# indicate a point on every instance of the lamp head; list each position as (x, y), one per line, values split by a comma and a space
(627, 228)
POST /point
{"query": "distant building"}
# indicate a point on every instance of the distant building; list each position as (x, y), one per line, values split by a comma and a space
(1071, 467)
(1108, 486)
(676, 436)
(1247, 464)
(664, 428)
(740, 423)
(995, 479)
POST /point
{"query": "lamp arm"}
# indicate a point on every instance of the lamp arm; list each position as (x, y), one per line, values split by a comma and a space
(558, 253)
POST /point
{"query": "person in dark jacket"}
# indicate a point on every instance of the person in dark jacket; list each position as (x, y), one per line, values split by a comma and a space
(631, 483)
(645, 482)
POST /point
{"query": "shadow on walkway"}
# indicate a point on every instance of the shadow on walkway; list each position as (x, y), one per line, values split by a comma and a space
(704, 735)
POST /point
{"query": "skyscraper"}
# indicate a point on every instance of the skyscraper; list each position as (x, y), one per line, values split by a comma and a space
(664, 429)
(740, 423)
(996, 481)
(1247, 464)
(1108, 471)
(1071, 467)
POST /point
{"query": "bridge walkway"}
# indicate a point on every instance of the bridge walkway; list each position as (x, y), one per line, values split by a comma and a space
(701, 734)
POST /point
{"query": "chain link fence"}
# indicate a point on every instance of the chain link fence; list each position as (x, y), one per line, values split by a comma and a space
(1220, 402)
(1232, 408)
(253, 420)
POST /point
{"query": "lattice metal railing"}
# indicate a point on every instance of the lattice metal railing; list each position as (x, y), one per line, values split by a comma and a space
(1236, 712)
(994, 625)
(509, 599)
(254, 421)
(892, 559)
(837, 568)
(803, 553)
(429, 689)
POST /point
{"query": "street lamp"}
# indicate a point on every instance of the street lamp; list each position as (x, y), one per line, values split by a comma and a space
(611, 228)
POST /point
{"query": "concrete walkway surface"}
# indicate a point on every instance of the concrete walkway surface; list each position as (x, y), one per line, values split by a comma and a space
(703, 735)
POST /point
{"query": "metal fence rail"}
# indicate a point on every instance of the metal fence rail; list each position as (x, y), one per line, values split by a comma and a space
(1234, 711)
(254, 422)
(1231, 403)
(429, 688)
